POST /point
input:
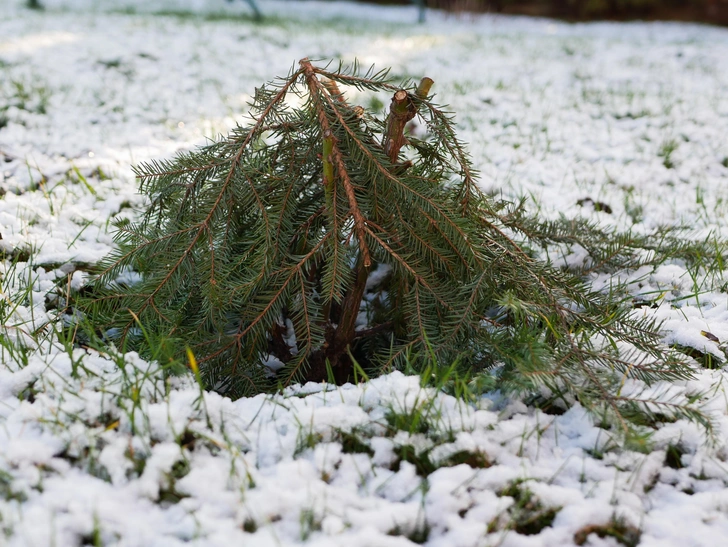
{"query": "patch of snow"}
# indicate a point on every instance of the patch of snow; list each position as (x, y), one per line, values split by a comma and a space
(103, 446)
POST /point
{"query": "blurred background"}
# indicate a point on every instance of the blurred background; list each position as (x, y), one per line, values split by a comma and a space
(707, 11)
(704, 11)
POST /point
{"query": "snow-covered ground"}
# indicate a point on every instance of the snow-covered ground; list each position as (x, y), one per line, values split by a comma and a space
(102, 450)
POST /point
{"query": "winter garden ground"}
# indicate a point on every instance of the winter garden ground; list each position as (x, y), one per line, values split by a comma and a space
(624, 123)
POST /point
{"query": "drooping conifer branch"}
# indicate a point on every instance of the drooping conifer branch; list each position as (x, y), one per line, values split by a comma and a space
(203, 226)
(316, 88)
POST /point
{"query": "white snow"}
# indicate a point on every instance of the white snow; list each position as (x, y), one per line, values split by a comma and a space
(101, 449)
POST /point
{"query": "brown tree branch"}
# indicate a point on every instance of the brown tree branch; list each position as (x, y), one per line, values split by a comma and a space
(401, 110)
(317, 87)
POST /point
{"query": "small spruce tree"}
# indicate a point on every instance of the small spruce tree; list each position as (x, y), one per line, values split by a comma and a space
(320, 235)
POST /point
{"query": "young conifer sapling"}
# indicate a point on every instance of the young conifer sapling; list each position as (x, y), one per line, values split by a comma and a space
(319, 234)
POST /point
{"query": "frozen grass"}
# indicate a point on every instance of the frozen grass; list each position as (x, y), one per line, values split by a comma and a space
(624, 124)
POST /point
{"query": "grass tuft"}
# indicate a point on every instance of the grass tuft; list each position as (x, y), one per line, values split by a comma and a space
(527, 515)
(673, 456)
(351, 443)
(617, 528)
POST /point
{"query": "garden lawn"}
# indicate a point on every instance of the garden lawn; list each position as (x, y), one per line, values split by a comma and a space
(626, 124)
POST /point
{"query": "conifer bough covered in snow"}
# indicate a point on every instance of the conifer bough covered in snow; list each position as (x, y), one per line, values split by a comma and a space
(320, 239)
